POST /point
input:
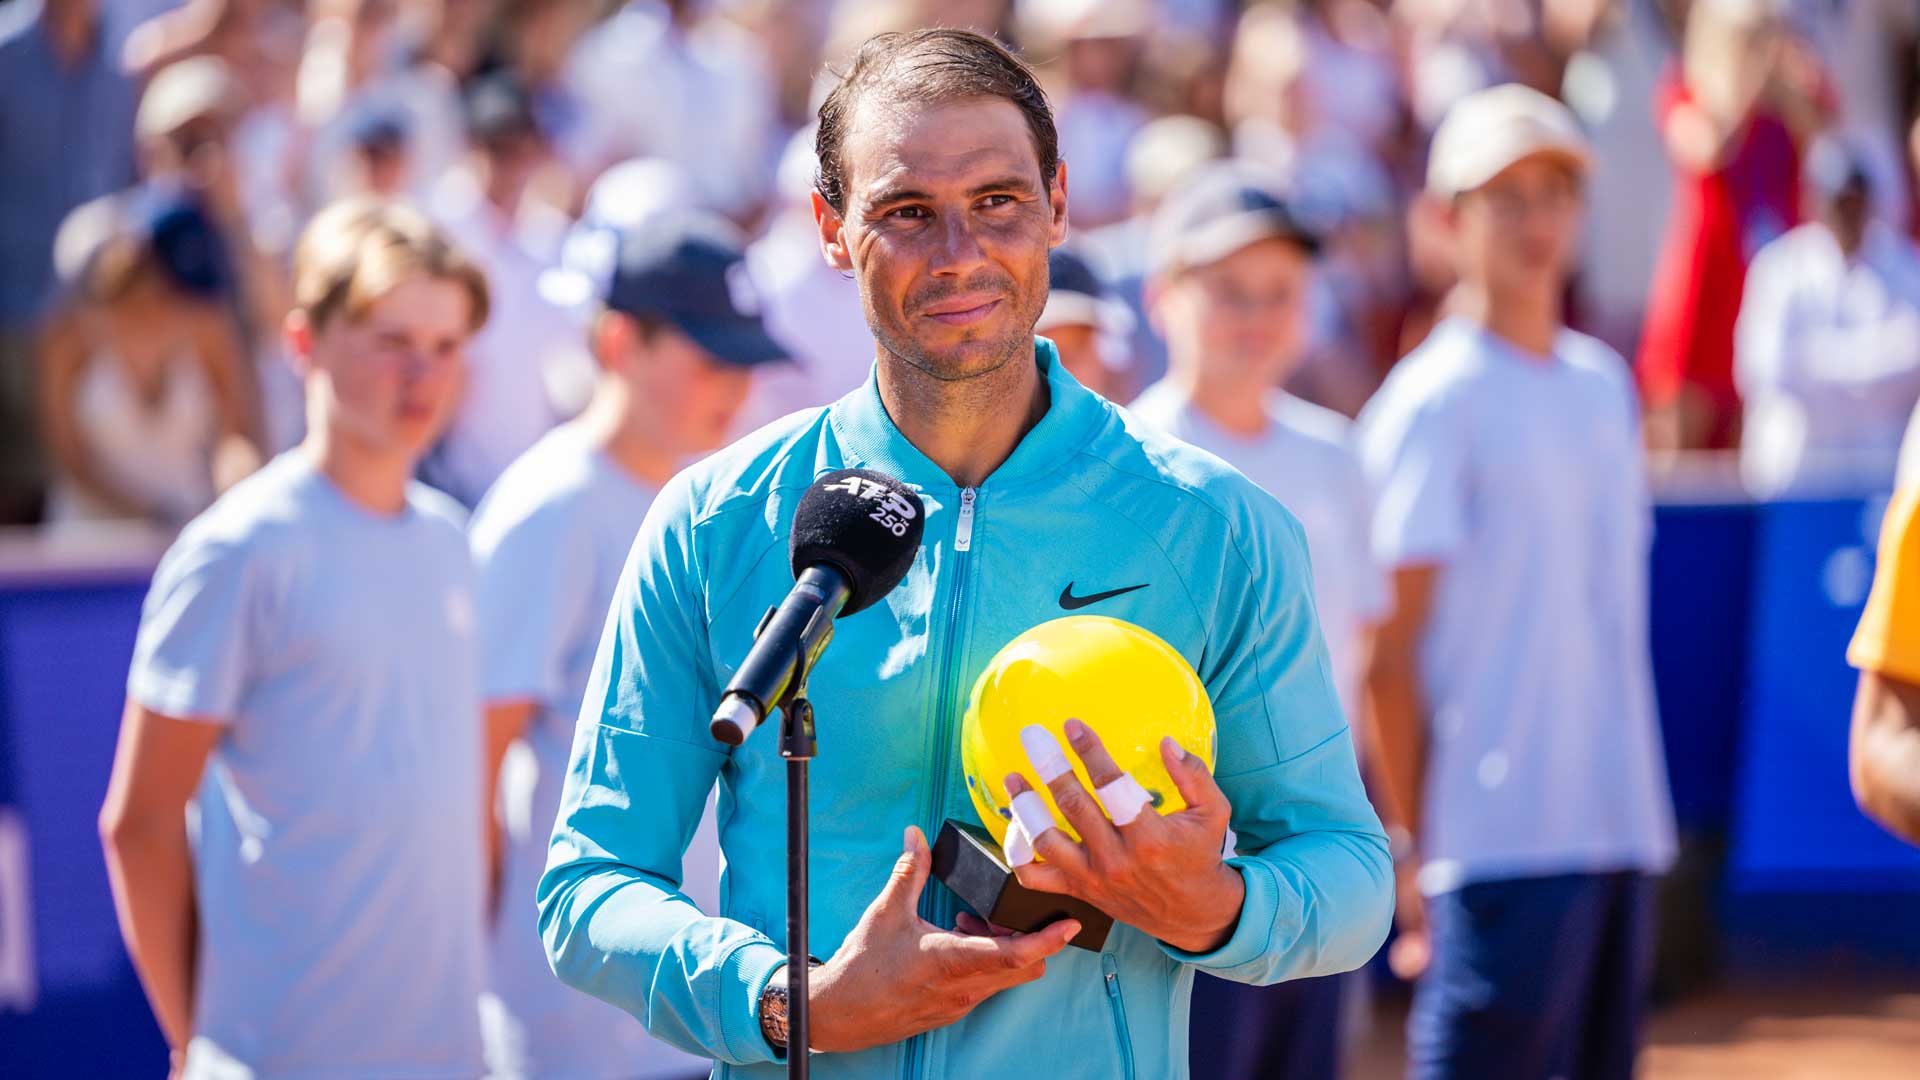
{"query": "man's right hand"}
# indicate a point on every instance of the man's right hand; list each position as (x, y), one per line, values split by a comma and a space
(1412, 948)
(897, 975)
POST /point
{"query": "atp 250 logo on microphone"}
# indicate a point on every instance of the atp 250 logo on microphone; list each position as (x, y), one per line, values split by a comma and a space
(892, 509)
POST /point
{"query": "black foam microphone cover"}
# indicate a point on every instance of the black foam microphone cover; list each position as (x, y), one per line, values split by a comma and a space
(865, 524)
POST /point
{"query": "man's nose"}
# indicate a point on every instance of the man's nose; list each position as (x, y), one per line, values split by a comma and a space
(959, 252)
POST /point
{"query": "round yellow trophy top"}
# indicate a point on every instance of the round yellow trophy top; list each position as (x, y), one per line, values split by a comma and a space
(1119, 679)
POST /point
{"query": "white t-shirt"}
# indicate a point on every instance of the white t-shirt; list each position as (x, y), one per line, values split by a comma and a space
(1827, 359)
(338, 868)
(527, 365)
(1306, 460)
(1522, 477)
(549, 542)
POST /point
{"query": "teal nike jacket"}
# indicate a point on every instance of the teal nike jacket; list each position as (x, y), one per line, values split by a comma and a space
(1090, 498)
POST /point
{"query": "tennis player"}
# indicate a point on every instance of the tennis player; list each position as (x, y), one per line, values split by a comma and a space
(940, 189)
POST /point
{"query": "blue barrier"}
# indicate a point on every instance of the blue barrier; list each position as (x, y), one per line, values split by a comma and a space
(1753, 608)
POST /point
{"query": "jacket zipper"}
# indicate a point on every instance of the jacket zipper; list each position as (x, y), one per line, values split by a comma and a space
(1110, 967)
(931, 902)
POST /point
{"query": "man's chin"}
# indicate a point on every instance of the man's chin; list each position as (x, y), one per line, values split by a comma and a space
(968, 357)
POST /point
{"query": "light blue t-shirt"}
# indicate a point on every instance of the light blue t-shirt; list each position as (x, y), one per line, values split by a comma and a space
(549, 541)
(1522, 478)
(338, 868)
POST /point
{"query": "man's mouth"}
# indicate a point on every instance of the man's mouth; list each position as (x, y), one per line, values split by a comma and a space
(963, 310)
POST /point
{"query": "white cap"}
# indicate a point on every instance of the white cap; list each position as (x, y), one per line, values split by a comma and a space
(1490, 130)
(183, 92)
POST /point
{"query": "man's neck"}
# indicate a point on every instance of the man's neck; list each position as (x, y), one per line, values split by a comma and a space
(1529, 320)
(376, 481)
(1238, 410)
(610, 425)
(968, 427)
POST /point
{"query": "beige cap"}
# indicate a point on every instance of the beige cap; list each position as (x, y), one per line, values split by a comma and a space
(184, 92)
(1489, 130)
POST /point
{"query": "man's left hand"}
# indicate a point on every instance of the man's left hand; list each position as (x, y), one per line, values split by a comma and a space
(1163, 875)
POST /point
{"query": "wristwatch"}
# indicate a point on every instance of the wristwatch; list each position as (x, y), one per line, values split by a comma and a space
(773, 1010)
(774, 1002)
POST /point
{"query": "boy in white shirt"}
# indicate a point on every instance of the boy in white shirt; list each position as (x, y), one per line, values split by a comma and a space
(1512, 688)
(305, 678)
(675, 345)
(1232, 268)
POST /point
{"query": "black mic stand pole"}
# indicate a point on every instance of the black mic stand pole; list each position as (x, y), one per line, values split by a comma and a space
(797, 745)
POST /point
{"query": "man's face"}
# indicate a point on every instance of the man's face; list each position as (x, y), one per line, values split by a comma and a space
(947, 228)
(1519, 230)
(689, 396)
(391, 379)
(1243, 318)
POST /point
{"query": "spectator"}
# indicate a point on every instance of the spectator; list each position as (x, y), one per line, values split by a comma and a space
(1730, 118)
(1087, 325)
(66, 130)
(1232, 266)
(305, 678)
(186, 126)
(1510, 690)
(1099, 44)
(1828, 357)
(149, 410)
(1620, 53)
(550, 542)
(709, 100)
(520, 363)
(351, 67)
(1161, 157)
(811, 308)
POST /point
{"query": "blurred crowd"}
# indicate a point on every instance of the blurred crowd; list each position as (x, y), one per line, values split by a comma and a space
(1749, 235)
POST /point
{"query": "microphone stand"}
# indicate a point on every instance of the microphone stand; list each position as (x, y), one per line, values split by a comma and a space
(797, 745)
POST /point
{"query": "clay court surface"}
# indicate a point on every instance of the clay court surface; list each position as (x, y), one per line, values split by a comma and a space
(1819, 1030)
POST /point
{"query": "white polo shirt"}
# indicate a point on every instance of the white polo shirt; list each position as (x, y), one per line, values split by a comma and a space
(1522, 477)
(1827, 359)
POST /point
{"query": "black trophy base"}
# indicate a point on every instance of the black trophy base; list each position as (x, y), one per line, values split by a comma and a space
(968, 862)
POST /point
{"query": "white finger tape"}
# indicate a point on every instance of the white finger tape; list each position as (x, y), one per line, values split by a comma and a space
(1123, 798)
(1043, 750)
(1019, 846)
(1032, 814)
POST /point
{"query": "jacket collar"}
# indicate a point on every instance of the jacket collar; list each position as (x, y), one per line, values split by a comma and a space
(862, 426)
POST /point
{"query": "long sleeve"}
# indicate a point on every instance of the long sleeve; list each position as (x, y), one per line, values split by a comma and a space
(612, 915)
(1319, 881)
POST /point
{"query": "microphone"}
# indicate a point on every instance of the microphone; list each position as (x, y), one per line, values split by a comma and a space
(855, 533)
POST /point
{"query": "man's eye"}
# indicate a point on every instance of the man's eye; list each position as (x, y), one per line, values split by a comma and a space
(993, 201)
(907, 213)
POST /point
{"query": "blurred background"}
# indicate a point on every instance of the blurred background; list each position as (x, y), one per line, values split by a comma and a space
(158, 158)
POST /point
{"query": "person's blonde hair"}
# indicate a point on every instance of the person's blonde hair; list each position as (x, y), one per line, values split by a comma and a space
(358, 250)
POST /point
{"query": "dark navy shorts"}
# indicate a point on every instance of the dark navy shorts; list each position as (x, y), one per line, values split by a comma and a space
(1535, 978)
(1287, 1031)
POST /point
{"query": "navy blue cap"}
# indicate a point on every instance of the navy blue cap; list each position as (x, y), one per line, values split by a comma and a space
(688, 268)
(1068, 272)
(1222, 208)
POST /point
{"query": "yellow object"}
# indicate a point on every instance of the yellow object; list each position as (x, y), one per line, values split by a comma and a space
(1888, 639)
(1126, 684)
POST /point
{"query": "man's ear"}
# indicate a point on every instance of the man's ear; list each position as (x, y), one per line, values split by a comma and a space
(297, 332)
(833, 234)
(1057, 198)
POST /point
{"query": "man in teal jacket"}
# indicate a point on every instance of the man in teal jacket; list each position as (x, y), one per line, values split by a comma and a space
(940, 190)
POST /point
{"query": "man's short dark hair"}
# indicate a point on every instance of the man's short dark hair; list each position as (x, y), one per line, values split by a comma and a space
(937, 65)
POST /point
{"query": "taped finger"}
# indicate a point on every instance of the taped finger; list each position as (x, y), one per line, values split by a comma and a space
(1044, 752)
(1032, 815)
(1019, 846)
(1123, 799)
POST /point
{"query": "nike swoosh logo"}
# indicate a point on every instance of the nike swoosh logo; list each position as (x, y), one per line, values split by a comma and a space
(1070, 602)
